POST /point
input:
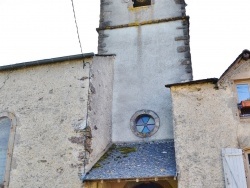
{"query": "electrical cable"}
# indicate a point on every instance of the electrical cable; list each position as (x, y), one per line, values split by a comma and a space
(79, 40)
(77, 30)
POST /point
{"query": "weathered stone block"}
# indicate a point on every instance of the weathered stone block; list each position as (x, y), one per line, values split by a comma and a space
(181, 49)
(181, 38)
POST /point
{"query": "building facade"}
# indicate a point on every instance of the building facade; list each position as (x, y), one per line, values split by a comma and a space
(151, 42)
(101, 120)
(44, 109)
(211, 128)
(106, 120)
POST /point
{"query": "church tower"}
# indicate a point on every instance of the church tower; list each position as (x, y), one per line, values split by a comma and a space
(150, 39)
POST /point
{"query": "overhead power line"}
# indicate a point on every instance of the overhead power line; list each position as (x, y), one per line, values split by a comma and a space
(77, 30)
(79, 40)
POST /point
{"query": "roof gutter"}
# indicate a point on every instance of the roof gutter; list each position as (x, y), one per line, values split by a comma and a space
(45, 61)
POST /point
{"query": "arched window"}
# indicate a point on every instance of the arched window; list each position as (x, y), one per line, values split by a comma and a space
(7, 135)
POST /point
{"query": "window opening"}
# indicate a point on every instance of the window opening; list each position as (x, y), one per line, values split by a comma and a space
(7, 138)
(5, 126)
(243, 92)
(144, 123)
(248, 156)
(243, 99)
(139, 3)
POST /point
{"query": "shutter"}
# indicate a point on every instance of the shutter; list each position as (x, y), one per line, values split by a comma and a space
(234, 170)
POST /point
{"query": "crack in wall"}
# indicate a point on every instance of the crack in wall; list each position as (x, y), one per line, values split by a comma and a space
(6, 79)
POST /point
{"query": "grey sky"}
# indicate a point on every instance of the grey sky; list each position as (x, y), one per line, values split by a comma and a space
(32, 30)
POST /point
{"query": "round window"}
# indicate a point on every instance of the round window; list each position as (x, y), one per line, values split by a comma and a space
(144, 123)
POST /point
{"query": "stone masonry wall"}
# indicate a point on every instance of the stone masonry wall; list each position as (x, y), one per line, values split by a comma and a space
(206, 119)
(50, 104)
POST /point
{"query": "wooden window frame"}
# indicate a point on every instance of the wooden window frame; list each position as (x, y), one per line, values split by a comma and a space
(10, 146)
(238, 82)
(246, 152)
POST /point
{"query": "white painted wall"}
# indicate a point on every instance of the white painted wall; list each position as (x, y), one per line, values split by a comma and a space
(146, 59)
(122, 11)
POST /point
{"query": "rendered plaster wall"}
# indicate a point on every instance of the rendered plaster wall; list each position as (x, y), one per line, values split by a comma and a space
(206, 119)
(122, 12)
(147, 57)
(100, 107)
(50, 104)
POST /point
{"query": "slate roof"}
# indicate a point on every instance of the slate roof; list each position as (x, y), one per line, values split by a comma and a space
(135, 160)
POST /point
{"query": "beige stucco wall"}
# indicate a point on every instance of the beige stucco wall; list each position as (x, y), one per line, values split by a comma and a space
(206, 119)
(50, 104)
(100, 107)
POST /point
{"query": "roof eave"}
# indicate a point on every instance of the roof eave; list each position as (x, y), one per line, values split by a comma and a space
(45, 61)
(156, 178)
(245, 55)
(208, 80)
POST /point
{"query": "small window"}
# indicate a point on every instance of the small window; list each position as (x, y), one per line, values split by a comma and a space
(5, 126)
(243, 93)
(139, 3)
(7, 135)
(144, 123)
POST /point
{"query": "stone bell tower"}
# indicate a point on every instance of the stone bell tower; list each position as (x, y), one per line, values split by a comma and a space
(150, 39)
